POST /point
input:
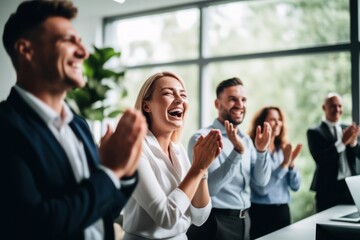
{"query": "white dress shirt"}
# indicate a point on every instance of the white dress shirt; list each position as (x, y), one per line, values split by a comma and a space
(344, 169)
(158, 209)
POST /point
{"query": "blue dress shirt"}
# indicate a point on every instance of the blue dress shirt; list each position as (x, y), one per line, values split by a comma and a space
(277, 189)
(230, 173)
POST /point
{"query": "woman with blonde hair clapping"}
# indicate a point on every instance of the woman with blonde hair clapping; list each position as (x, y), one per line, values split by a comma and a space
(171, 194)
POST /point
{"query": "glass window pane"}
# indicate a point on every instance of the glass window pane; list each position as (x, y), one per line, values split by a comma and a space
(157, 38)
(258, 26)
(135, 78)
(298, 85)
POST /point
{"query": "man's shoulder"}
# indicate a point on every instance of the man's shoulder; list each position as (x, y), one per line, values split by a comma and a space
(14, 127)
(244, 134)
(315, 127)
(203, 131)
(4, 106)
(7, 113)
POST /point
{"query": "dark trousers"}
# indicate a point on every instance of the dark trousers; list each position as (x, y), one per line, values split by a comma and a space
(340, 194)
(222, 225)
(268, 218)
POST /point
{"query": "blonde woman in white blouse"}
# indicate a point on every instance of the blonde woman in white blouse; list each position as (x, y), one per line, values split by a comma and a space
(171, 194)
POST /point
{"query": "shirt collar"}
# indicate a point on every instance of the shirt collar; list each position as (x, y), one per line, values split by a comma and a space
(153, 143)
(151, 139)
(331, 124)
(46, 113)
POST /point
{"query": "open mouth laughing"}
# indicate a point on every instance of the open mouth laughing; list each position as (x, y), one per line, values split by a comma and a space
(176, 113)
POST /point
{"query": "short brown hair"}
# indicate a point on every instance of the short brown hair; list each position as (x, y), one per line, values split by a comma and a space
(28, 16)
(235, 81)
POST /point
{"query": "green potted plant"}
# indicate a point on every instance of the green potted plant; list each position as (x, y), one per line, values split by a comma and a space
(91, 101)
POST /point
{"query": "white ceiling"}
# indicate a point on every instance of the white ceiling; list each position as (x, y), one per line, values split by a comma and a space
(103, 8)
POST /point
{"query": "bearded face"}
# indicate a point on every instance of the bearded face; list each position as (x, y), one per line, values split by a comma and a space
(231, 104)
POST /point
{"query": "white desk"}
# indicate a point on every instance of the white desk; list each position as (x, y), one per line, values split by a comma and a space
(306, 229)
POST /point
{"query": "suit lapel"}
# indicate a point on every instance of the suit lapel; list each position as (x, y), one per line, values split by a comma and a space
(38, 128)
(325, 129)
(90, 150)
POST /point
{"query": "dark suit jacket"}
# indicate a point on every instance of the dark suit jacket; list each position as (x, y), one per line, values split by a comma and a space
(321, 144)
(40, 197)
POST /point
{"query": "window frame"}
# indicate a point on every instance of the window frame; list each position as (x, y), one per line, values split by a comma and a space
(353, 47)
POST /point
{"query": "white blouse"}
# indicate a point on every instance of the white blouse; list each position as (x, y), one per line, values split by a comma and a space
(158, 209)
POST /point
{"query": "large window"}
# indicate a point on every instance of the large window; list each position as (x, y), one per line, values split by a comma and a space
(261, 26)
(156, 38)
(289, 53)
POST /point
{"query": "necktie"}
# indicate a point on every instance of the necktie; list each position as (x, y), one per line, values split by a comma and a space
(335, 133)
(342, 159)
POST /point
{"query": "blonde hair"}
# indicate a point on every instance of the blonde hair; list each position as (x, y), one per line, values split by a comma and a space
(146, 92)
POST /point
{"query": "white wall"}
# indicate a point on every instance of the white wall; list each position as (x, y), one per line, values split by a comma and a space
(89, 28)
(7, 72)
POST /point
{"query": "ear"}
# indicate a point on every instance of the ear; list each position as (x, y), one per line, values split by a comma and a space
(23, 48)
(146, 107)
(217, 103)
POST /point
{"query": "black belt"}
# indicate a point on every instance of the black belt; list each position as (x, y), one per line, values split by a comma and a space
(231, 212)
(268, 205)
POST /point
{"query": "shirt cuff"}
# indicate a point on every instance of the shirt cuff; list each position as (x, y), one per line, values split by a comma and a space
(181, 199)
(112, 176)
(292, 171)
(200, 215)
(340, 146)
(128, 181)
(282, 172)
(261, 155)
(200, 211)
(235, 156)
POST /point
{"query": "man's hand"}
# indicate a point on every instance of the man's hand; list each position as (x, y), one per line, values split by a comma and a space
(350, 134)
(263, 138)
(120, 150)
(234, 138)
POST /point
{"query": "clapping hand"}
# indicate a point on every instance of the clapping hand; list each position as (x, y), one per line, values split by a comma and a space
(263, 138)
(234, 138)
(294, 154)
(290, 155)
(120, 150)
(350, 134)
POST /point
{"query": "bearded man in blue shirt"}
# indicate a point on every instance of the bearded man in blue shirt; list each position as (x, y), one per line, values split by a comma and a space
(239, 163)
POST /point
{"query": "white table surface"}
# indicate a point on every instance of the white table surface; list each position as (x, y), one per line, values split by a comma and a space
(305, 229)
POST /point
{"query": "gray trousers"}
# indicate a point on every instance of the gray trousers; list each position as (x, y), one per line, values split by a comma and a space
(224, 225)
